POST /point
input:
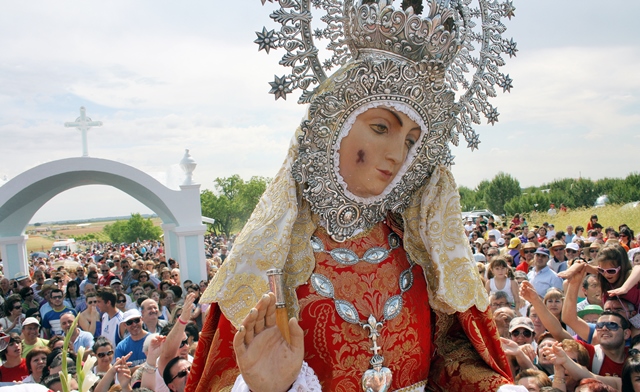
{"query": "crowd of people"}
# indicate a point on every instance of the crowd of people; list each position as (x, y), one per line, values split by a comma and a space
(134, 313)
(565, 302)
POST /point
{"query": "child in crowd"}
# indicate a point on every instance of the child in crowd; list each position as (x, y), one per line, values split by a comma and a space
(500, 280)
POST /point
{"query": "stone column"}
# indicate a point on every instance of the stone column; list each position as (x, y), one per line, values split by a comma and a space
(14, 255)
(191, 255)
(170, 241)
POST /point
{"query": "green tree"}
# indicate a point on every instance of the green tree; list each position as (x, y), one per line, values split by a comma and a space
(583, 193)
(625, 191)
(501, 190)
(536, 201)
(232, 202)
(132, 230)
(471, 199)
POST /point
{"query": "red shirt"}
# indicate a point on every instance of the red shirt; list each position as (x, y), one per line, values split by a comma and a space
(609, 367)
(16, 373)
(105, 280)
(523, 266)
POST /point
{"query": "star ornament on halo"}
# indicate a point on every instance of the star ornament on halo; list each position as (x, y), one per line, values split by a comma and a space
(509, 9)
(266, 39)
(280, 87)
(473, 141)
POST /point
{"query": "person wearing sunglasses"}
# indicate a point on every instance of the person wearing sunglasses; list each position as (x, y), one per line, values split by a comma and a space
(541, 276)
(133, 343)
(615, 273)
(51, 319)
(613, 330)
(14, 366)
(526, 257)
(107, 276)
(89, 319)
(175, 374)
(104, 352)
(28, 299)
(591, 251)
(521, 330)
(12, 322)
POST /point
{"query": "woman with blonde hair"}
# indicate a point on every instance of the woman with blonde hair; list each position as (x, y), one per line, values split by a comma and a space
(553, 300)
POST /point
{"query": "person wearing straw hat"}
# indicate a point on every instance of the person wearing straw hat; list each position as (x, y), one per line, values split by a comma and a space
(558, 262)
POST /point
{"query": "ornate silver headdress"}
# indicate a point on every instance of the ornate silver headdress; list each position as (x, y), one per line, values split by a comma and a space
(416, 56)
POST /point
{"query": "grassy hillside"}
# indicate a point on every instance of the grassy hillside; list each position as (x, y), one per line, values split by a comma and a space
(612, 215)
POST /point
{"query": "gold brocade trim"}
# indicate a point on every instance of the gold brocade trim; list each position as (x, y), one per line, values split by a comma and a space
(435, 239)
(301, 261)
(262, 244)
(456, 365)
(413, 388)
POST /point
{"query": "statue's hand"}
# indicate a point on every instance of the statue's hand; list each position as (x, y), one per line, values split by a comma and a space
(267, 362)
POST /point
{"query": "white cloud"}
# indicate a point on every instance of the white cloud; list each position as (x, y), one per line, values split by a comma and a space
(164, 76)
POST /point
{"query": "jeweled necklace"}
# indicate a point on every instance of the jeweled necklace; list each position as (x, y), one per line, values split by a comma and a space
(378, 378)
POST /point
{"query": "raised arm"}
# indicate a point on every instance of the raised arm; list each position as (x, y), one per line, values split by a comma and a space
(550, 322)
(569, 308)
(628, 284)
(516, 296)
(176, 335)
(563, 363)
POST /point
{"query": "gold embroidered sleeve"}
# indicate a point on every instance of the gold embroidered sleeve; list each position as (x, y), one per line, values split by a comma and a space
(262, 244)
(435, 239)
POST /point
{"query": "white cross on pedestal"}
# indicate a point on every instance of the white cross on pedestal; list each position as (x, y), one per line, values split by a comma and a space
(83, 123)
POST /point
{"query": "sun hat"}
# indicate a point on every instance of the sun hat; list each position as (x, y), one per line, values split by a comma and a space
(521, 322)
(590, 309)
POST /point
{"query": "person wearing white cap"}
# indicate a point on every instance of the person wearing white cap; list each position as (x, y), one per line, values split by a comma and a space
(133, 343)
(30, 335)
(116, 285)
(571, 251)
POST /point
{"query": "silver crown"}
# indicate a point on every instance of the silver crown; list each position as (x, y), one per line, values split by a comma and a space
(373, 27)
(443, 39)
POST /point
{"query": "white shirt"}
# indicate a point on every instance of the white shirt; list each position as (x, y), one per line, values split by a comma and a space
(495, 233)
(110, 326)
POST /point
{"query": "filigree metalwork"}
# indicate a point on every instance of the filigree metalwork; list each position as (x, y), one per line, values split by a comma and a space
(371, 81)
(387, 55)
(447, 33)
(375, 255)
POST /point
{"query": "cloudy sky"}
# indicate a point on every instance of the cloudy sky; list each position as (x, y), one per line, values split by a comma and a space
(164, 76)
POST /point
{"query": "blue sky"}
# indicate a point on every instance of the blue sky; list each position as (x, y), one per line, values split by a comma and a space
(164, 76)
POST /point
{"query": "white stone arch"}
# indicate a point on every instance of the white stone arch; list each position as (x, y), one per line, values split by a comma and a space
(180, 211)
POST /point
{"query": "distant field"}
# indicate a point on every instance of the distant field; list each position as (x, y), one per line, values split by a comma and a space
(43, 241)
(612, 215)
(35, 243)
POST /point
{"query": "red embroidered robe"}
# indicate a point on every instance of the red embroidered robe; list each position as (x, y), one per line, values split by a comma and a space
(459, 352)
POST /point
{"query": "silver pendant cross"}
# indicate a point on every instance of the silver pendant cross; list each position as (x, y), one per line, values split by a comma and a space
(373, 326)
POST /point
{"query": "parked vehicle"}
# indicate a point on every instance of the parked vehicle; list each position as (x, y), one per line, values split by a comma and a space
(601, 201)
(65, 246)
(483, 214)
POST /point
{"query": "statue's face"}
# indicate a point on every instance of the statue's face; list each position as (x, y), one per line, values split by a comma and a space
(375, 149)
